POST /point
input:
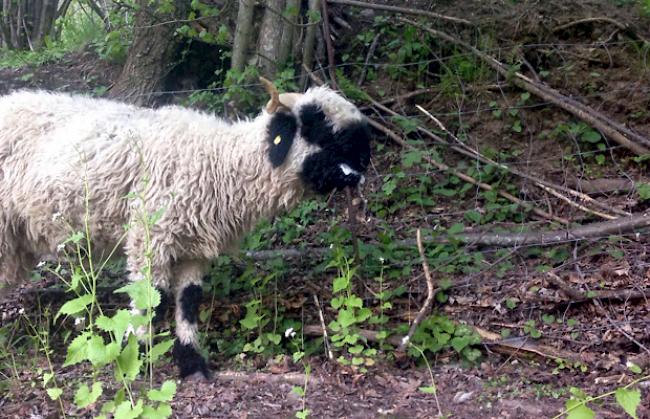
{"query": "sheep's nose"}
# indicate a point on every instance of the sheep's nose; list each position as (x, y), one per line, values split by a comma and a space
(347, 171)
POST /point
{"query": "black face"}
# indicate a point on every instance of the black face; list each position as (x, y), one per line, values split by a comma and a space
(349, 148)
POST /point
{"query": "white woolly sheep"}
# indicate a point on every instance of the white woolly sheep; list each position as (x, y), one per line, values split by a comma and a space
(61, 154)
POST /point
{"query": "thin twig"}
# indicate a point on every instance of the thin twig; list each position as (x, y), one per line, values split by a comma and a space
(443, 167)
(612, 129)
(326, 342)
(397, 9)
(536, 180)
(426, 307)
(601, 19)
(371, 52)
(328, 43)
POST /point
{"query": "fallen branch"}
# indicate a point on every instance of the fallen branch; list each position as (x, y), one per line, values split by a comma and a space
(443, 167)
(611, 129)
(598, 230)
(426, 307)
(326, 341)
(371, 52)
(294, 378)
(517, 345)
(398, 9)
(627, 29)
(578, 296)
(545, 185)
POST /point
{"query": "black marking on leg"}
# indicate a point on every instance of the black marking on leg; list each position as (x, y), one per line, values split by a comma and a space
(160, 312)
(190, 301)
(189, 360)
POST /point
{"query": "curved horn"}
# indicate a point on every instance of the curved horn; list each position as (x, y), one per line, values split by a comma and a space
(273, 104)
(289, 99)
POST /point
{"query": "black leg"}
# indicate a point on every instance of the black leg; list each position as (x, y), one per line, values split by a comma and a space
(185, 352)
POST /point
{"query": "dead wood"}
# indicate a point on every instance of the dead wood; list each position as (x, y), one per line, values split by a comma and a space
(331, 67)
(603, 186)
(625, 28)
(520, 345)
(537, 181)
(613, 130)
(578, 296)
(398, 9)
(443, 167)
(294, 378)
(431, 292)
(371, 52)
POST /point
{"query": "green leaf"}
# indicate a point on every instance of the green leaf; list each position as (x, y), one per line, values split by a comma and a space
(125, 411)
(75, 306)
(460, 342)
(164, 410)
(629, 400)
(129, 362)
(116, 324)
(341, 283)
(474, 216)
(456, 228)
(411, 158)
(346, 318)
(54, 393)
(100, 354)
(578, 410)
(84, 397)
(142, 293)
(46, 378)
(160, 349)
(591, 136)
(165, 394)
(354, 302)
(429, 390)
(77, 350)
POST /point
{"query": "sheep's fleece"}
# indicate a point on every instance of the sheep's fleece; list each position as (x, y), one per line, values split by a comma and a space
(209, 180)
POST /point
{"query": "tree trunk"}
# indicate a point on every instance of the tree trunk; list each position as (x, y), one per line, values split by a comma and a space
(291, 13)
(243, 33)
(310, 41)
(45, 22)
(151, 54)
(269, 39)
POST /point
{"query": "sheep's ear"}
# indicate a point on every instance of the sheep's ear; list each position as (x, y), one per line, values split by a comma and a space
(281, 131)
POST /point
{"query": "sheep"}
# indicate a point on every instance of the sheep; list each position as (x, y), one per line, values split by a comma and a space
(64, 157)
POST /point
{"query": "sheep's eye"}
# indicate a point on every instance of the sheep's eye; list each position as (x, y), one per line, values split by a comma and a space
(281, 131)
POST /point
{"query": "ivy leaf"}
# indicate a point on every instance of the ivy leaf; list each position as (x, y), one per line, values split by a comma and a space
(84, 397)
(165, 394)
(629, 400)
(75, 305)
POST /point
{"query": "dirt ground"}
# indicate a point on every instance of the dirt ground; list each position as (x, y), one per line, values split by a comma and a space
(598, 66)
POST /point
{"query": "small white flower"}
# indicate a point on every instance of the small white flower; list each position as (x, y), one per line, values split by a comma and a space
(289, 333)
(332, 246)
(60, 247)
(382, 260)
(56, 216)
(21, 311)
(40, 264)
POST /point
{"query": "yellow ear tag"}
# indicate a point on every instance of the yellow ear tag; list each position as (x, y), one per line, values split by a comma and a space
(277, 140)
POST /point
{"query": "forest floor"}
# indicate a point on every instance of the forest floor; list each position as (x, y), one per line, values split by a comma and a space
(595, 63)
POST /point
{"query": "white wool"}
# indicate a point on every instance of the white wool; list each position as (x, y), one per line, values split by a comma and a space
(212, 179)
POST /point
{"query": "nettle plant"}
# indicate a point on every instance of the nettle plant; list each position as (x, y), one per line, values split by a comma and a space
(105, 342)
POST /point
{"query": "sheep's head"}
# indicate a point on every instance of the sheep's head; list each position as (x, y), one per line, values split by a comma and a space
(335, 130)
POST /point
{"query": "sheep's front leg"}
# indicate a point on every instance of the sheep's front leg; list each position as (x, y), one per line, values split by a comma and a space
(188, 298)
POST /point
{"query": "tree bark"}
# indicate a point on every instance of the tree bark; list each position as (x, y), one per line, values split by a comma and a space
(291, 13)
(151, 54)
(25, 23)
(243, 34)
(47, 14)
(270, 37)
(310, 42)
